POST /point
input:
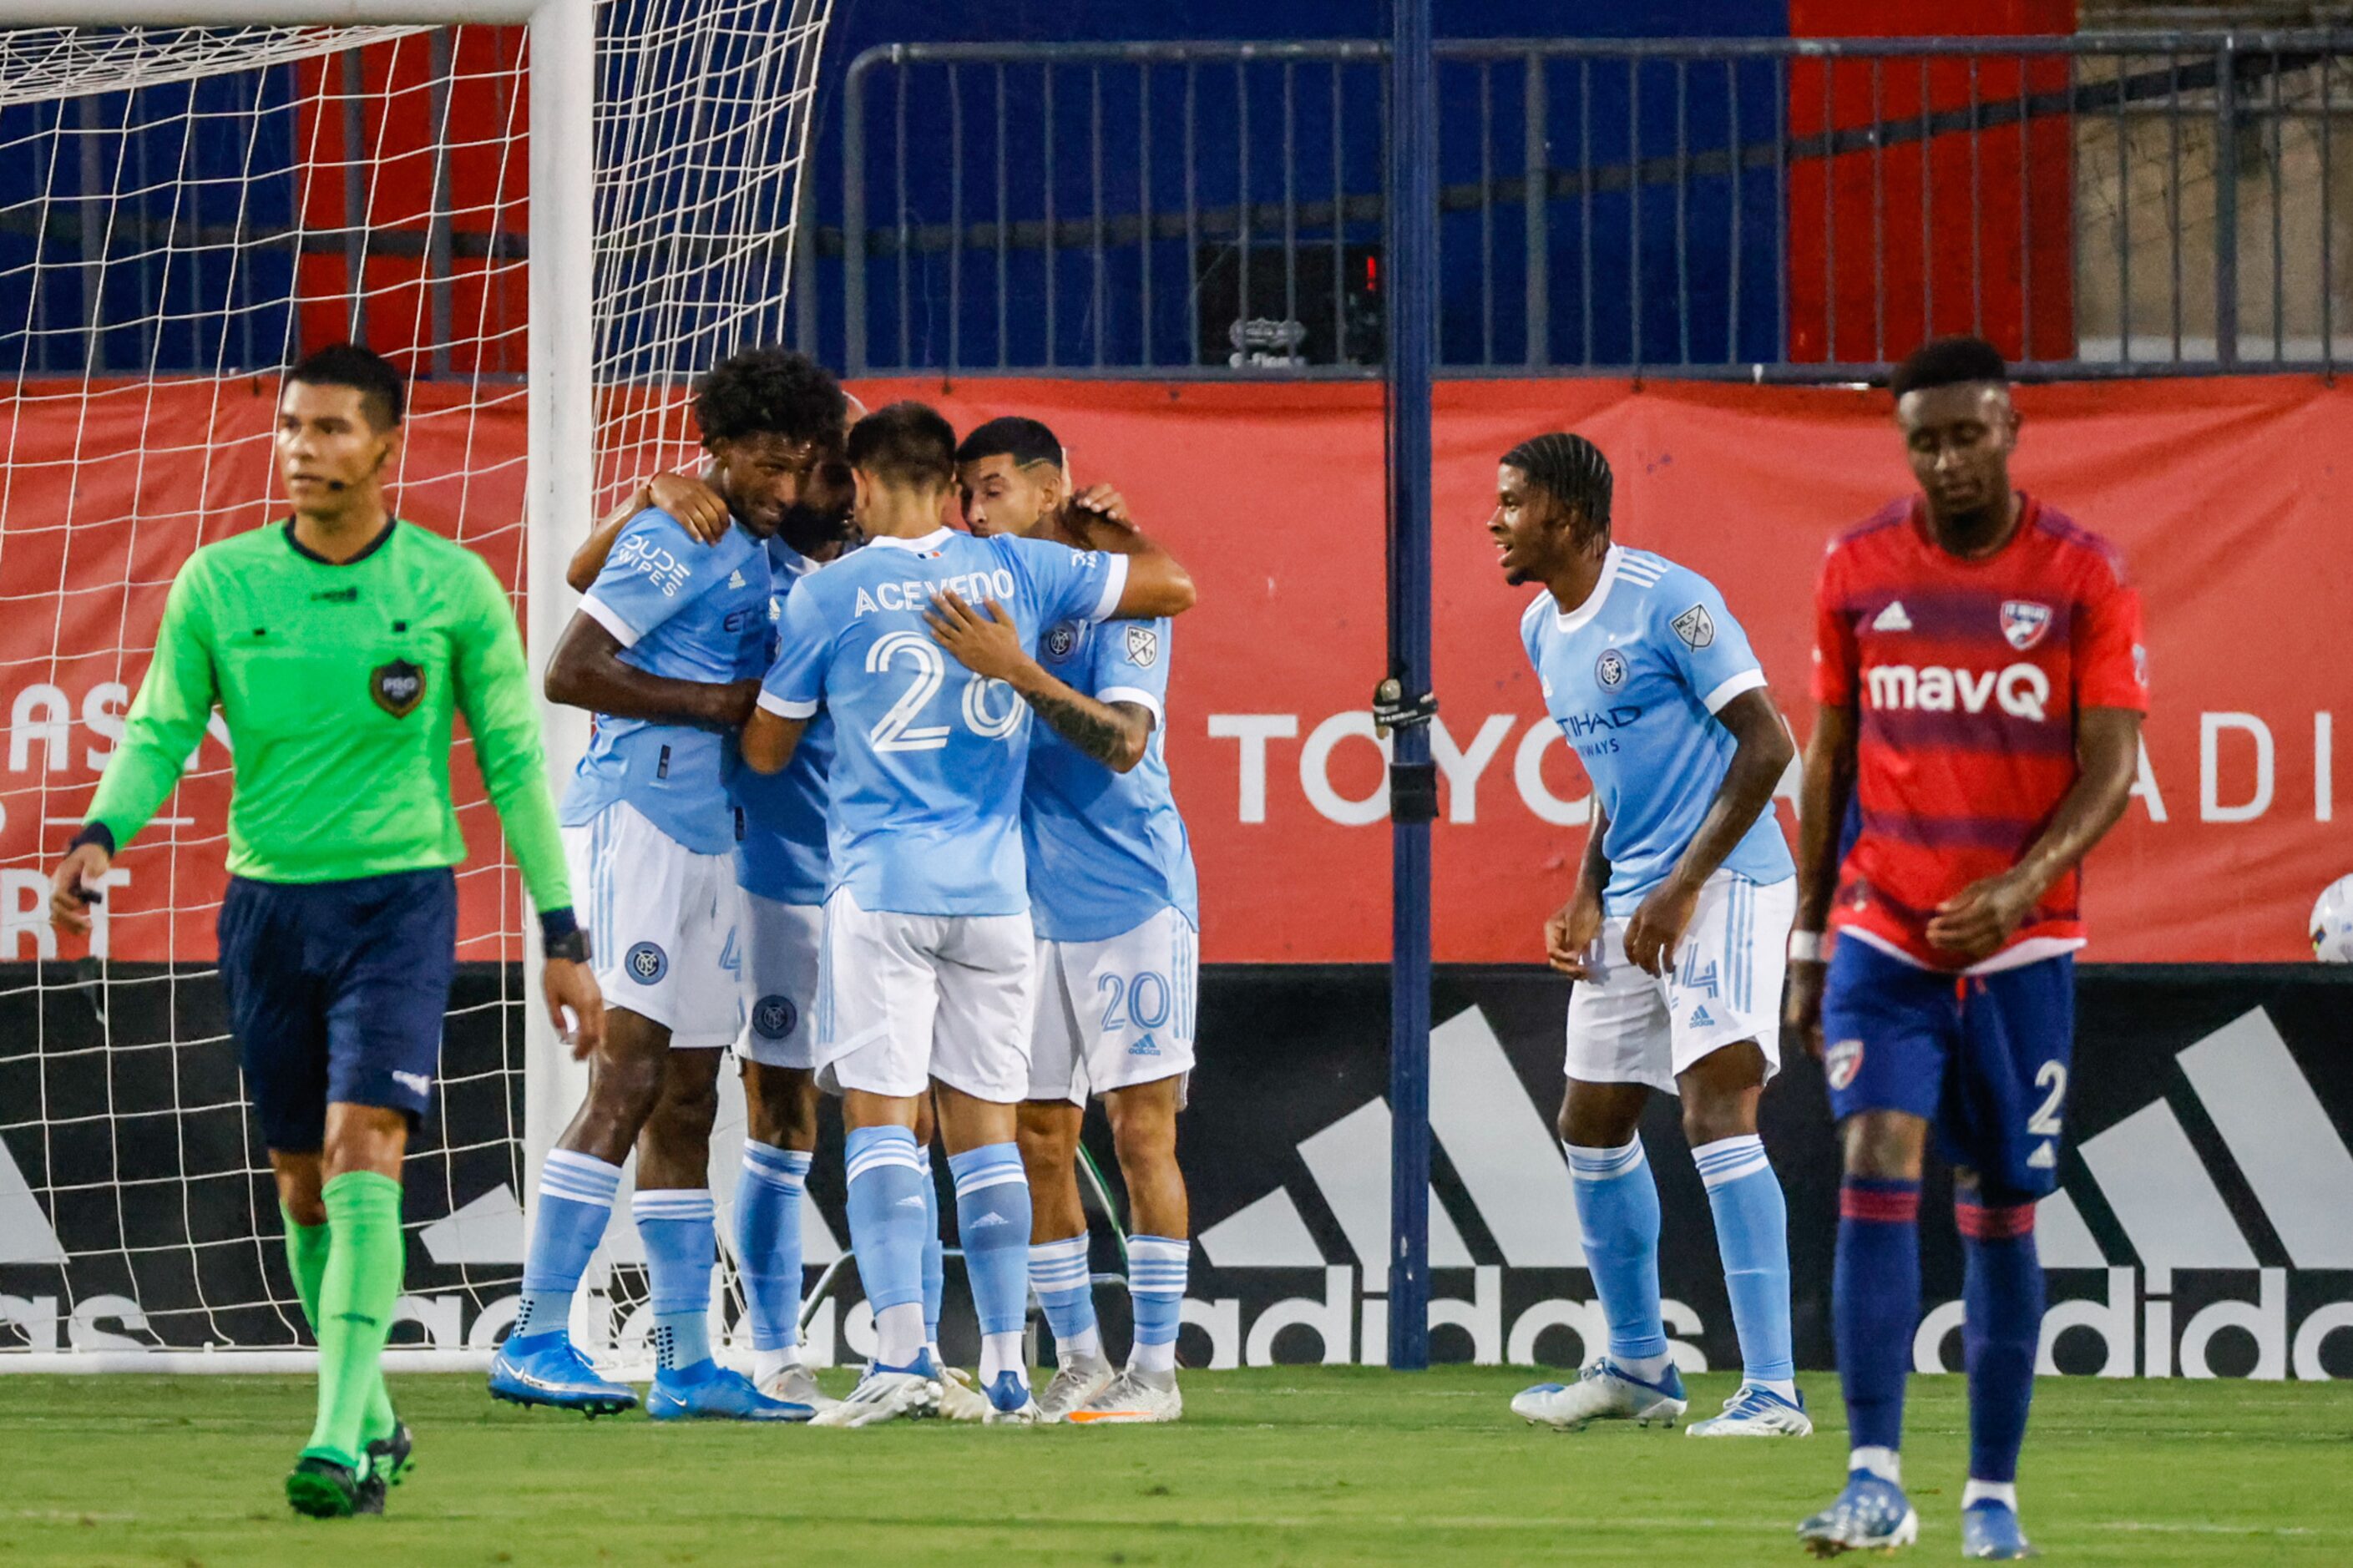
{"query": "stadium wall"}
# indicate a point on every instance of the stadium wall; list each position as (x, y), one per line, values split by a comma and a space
(2221, 493)
(2201, 1228)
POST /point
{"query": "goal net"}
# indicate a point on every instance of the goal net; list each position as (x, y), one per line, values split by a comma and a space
(183, 212)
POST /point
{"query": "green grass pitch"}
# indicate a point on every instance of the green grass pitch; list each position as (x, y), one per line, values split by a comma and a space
(1284, 1465)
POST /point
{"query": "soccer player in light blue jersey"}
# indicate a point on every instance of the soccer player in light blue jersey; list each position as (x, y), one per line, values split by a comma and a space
(667, 649)
(1114, 897)
(780, 853)
(927, 975)
(1676, 932)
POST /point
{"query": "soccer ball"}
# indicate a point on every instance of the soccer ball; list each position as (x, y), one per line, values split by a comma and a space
(2332, 923)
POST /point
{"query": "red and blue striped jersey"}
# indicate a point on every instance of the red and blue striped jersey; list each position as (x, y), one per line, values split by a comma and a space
(1966, 678)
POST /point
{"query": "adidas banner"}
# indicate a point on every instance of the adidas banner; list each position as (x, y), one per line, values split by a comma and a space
(2204, 1224)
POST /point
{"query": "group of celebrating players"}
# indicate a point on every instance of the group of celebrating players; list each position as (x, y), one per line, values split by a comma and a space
(817, 825)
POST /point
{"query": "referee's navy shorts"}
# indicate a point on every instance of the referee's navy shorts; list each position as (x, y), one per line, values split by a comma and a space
(336, 991)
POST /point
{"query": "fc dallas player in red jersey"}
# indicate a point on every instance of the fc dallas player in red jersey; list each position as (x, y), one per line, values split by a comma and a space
(1979, 685)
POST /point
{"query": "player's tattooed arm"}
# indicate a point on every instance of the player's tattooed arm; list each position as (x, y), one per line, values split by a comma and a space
(1761, 754)
(586, 672)
(1115, 734)
(1977, 921)
(1822, 797)
(684, 496)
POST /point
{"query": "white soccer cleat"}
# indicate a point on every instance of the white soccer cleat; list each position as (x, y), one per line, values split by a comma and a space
(797, 1384)
(1602, 1392)
(1133, 1398)
(959, 1400)
(1074, 1384)
(883, 1394)
(1754, 1412)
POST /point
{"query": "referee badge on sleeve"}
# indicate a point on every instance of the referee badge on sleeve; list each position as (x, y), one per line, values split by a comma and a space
(398, 687)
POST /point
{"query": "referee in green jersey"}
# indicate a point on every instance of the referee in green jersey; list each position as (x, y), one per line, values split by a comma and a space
(338, 645)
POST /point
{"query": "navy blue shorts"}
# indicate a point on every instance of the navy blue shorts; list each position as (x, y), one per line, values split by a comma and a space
(336, 991)
(1983, 1057)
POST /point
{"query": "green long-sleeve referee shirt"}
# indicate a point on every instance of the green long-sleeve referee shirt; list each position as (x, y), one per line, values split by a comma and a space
(339, 683)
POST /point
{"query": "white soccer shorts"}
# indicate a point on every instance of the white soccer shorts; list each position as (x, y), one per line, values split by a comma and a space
(779, 976)
(662, 926)
(1627, 1026)
(903, 999)
(1115, 1013)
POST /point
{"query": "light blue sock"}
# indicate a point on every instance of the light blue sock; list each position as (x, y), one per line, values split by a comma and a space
(1059, 1274)
(576, 1201)
(1618, 1205)
(886, 1227)
(1157, 1266)
(993, 1225)
(935, 1260)
(768, 1242)
(1752, 1234)
(680, 1228)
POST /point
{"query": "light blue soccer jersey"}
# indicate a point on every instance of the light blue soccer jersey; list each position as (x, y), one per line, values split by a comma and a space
(928, 757)
(1634, 678)
(1107, 850)
(687, 612)
(780, 846)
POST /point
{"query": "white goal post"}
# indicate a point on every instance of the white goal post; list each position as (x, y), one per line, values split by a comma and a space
(601, 317)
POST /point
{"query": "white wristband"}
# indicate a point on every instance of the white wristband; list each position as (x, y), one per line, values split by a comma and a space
(1805, 947)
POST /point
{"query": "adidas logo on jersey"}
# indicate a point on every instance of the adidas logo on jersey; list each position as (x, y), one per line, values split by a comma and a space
(1892, 618)
(1146, 1047)
(735, 579)
(1701, 1018)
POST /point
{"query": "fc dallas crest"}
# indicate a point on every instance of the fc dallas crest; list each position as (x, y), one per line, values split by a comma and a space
(2023, 622)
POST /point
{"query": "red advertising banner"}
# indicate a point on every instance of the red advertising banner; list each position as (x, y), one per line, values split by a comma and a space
(2222, 494)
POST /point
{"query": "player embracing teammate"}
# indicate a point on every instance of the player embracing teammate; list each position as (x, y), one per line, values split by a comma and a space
(1979, 684)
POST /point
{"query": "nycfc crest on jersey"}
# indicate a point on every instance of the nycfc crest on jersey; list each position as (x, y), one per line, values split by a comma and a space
(1634, 677)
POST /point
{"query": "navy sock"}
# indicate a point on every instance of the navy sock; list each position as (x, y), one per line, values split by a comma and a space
(1875, 1304)
(2002, 1295)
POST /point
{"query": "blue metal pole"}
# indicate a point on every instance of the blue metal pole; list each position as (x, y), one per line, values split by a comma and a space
(1412, 323)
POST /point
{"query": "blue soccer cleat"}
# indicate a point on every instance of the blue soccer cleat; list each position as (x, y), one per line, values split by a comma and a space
(709, 1392)
(1604, 1391)
(1990, 1532)
(547, 1369)
(1870, 1515)
(1010, 1403)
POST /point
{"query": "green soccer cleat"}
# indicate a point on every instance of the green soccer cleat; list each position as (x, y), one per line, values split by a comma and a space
(326, 1488)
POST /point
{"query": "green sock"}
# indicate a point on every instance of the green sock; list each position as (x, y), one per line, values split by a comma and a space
(365, 1260)
(306, 1257)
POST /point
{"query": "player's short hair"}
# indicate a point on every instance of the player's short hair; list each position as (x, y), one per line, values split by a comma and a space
(383, 397)
(1569, 468)
(1948, 362)
(906, 443)
(1026, 441)
(769, 392)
